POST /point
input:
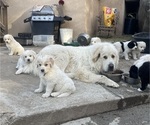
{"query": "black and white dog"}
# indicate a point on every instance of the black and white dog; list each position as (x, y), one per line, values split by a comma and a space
(141, 68)
(126, 47)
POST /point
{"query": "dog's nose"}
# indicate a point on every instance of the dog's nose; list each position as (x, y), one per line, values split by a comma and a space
(111, 67)
(42, 70)
(28, 60)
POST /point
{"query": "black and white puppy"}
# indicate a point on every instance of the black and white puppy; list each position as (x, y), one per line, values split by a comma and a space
(126, 47)
(141, 69)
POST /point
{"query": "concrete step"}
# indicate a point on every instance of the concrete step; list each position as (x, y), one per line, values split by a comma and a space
(19, 105)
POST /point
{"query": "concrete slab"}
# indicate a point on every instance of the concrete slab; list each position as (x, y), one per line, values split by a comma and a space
(19, 105)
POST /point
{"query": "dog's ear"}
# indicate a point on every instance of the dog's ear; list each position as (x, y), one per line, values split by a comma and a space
(133, 72)
(96, 55)
(116, 58)
(131, 44)
(34, 53)
(11, 37)
(51, 60)
(22, 56)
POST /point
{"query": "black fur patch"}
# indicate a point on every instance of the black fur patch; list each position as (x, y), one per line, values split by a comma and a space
(133, 72)
(132, 44)
(122, 46)
(144, 74)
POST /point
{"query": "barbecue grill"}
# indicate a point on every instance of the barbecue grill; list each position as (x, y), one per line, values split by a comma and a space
(45, 20)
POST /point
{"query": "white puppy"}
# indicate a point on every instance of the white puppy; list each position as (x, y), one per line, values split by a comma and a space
(85, 63)
(14, 47)
(26, 61)
(57, 83)
(125, 47)
(95, 40)
(140, 47)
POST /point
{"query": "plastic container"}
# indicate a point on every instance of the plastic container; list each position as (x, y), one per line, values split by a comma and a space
(143, 36)
(66, 35)
(43, 40)
(24, 41)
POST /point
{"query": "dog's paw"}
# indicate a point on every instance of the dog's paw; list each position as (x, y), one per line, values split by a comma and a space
(10, 54)
(54, 94)
(139, 90)
(18, 72)
(37, 90)
(46, 95)
(113, 84)
(126, 58)
(135, 58)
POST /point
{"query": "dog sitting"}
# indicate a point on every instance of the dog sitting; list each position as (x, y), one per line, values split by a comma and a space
(13, 46)
(140, 47)
(26, 63)
(141, 69)
(57, 83)
(126, 47)
(95, 40)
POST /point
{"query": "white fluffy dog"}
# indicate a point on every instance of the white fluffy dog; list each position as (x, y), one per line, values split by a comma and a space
(95, 40)
(57, 83)
(85, 63)
(140, 47)
(26, 62)
(126, 47)
(14, 47)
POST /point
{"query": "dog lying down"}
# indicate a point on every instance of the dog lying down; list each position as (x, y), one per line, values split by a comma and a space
(85, 63)
(81, 63)
(26, 62)
(57, 83)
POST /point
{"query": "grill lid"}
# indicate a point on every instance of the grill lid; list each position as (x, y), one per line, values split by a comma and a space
(42, 10)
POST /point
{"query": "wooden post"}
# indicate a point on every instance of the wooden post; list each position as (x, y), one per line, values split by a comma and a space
(3, 19)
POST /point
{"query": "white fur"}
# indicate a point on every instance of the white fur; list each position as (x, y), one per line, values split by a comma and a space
(136, 53)
(26, 62)
(85, 63)
(95, 40)
(13, 46)
(142, 59)
(127, 50)
(57, 83)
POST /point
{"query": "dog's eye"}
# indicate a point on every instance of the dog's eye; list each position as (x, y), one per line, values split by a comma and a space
(39, 64)
(113, 56)
(25, 56)
(30, 55)
(105, 57)
(46, 64)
